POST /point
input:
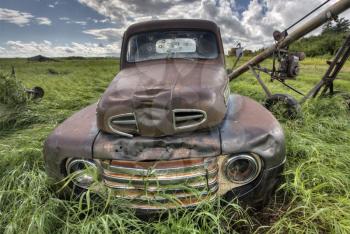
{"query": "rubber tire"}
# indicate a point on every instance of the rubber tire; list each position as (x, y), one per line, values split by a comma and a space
(293, 108)
(38, 92)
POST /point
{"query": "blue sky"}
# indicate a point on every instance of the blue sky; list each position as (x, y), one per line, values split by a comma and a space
(59, 31)
(95, 27)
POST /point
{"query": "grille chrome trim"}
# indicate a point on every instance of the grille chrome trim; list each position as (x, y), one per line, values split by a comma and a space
(172, 183)
(164, 180)
(197, 114)
(137, 171)
(201, 185)
(123, 121)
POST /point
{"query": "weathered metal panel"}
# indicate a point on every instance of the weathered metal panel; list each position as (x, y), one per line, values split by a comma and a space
(152, 91)
(186, 145)
(249, 127)
(73, 138)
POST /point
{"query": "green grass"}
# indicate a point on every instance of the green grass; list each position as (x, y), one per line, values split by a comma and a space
(314, 197)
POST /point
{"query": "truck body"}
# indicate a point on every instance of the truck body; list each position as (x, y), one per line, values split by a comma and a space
(167, 132)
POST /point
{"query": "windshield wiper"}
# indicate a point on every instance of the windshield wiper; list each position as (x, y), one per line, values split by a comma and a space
(189, 59)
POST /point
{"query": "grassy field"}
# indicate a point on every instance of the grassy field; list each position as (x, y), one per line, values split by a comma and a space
(314, 198)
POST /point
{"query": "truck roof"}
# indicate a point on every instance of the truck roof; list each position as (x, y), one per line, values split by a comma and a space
(172, 24)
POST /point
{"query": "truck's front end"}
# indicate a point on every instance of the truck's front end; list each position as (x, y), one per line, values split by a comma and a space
(167, 132)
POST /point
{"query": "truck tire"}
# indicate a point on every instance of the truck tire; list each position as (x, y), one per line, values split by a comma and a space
(38, 92)
(291, 107)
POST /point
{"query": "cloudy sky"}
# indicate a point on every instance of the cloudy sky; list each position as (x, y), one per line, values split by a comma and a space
(95, 27)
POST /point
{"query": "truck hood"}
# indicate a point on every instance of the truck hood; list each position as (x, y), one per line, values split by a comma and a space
(163, 98)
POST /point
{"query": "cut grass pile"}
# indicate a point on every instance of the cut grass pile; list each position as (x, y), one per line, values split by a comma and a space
(11, 91)
(13, 101)
(315, 196)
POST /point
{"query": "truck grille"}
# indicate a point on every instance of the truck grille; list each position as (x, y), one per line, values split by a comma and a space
(162, 184)
(188, 118)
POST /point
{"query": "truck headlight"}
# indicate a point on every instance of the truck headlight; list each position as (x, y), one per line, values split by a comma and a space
(83, 172)
(242, 168)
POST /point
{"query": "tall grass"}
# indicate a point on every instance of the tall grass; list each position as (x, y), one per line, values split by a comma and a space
(313, 198)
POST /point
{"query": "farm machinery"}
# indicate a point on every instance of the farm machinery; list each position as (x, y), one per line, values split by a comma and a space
(285, 64)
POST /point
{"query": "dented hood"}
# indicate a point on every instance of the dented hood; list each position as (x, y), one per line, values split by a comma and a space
(147, 94)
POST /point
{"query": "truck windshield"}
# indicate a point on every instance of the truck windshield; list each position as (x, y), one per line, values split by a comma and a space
(172, 44)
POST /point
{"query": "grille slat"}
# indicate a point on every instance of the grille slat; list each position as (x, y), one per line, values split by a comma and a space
(162, 197)
(124, 124)
(167, 189)
(188, 118)
(187, 181)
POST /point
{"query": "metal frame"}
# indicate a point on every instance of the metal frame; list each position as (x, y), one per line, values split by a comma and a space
(335, 67)
(325, 84)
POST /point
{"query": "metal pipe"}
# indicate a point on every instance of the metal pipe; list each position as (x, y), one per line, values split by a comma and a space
(331, 12)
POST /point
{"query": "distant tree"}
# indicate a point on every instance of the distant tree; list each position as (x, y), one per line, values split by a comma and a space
(340, 25)
(328, 42)
(248, 52)
(327, 27)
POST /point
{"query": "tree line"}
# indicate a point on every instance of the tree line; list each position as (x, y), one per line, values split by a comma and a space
(331, 38)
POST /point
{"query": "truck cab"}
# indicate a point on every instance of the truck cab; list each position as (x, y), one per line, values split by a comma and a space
(168, 125)
(172, 80)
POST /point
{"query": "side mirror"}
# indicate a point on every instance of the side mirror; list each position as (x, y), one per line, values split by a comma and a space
(239, 52)
(239, 55)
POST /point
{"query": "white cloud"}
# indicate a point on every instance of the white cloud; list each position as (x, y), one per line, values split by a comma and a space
(253, 27)
(53, 5)
(99, 21)
(15, 17)
(70, 21)
(111, 34)
(21, 18)
(47, 48)
(84, 23)
(64, 18)
(43, 21)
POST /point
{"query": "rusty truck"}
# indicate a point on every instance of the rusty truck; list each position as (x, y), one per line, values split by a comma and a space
(168, 132)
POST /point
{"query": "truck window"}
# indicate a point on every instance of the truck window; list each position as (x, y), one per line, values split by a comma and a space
(172, 45)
